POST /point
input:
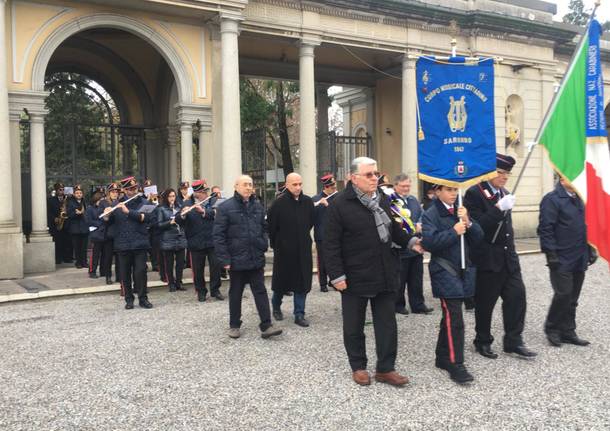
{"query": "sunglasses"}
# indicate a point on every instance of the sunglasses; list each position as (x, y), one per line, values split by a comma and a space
(370, 175)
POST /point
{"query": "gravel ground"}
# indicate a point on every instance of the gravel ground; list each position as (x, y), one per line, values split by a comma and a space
(85, 363)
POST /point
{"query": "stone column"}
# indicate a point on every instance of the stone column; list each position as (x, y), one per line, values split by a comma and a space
(322, 147)
(307, 117)
(231, 127)
(15, 132)
(206, 154)
(172, 157)
(409, 122)
(548, 91)
(186, 152)
(11, 242)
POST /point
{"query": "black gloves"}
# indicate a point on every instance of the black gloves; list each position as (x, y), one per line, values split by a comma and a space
(592, 255)
(552, 260)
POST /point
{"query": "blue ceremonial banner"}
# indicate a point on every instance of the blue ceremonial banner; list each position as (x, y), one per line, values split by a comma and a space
(457, 138)
(596, 116)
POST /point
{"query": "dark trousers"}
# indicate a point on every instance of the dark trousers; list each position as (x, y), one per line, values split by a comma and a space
(63, 246)
(256, 279)
(79, 244)
(107, 254)
(411, 277)
(489, 287)
(96, 254)
(562, 312)
(132, 264)
(322, 274)
(450, 344)
(172, 262)
(298, 300)
(156, 254)
(198, 258)
(384, 322)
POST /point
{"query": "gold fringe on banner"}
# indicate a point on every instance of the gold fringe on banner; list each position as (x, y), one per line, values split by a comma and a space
(463, 184)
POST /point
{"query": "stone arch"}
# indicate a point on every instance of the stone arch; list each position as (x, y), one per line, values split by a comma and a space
(119, 22)
(360, 131)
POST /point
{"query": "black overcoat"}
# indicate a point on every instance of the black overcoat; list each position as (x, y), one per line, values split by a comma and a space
(290, 222)
(488, 255)
(352, 247)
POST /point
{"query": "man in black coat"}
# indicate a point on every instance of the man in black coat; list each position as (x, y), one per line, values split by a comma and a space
(363, 265)
(290, 220)
(498, 269)
(563, 238)
(321, 202)
(198, 226)
(131, 242)
(240, 241)
(61, 237)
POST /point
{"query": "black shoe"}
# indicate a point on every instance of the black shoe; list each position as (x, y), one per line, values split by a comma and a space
(180, 287)
(144, 303)
(218, 296)
(485, 350)
(323, 289)
(574, 339)
(522, 351)
(554, 339)
(288, 294)
(402, 311)
(108, 280)
(78, 266)
(129, 306)
(301, 321)
(423, 310)
(457, 372)
(93, 275)
(172, 287)
(201, 296)
(277, 315)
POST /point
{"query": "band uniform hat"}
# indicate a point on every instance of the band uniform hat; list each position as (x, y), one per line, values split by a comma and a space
(112, 186)
(184, 185)
(128, 183)
(58, 186)
(328, 180)
(504, 162)
(200, 186)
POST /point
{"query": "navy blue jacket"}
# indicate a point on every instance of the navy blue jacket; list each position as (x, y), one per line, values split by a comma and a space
(130, 231)
(93, 220)
(77, 223)
(198, 228)
(319, 216)
(562, 229)
(440, 239)
(109, 228)
(240, 233)
(413, 205)
(172, 235)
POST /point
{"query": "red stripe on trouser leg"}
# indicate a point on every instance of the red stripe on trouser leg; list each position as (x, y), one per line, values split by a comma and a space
(449, 334)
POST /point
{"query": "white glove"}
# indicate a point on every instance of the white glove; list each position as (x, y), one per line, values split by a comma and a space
(506, 203)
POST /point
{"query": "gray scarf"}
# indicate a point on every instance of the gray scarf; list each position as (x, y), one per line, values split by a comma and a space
(382, 221)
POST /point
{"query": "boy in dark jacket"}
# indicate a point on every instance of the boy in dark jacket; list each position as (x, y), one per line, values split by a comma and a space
(443, 224)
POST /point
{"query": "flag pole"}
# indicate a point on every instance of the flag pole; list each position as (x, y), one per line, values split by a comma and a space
(547, 115)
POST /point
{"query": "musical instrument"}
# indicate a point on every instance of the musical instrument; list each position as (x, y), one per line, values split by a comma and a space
(402, 214)
(117, 205)
(315, 204)
(196, 204)
(63, 215)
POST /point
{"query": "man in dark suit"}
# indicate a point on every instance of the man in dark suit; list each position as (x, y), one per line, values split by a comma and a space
(563, 238)
(363, 265)
(498, 269)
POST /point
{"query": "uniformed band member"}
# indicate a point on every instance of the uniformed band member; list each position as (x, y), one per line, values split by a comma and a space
(56, 218)
(563, 238)
(444, 223)
(498, 269)
(131, 242)
(108, 253)
(240, 240)
(77, 226)
(97, 232)
(321, 202)
(172, 241)
(198, 224)
(290, 220)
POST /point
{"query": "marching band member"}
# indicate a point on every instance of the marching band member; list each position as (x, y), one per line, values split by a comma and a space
(97, 232)
(112, 199)
(77, 226)
(56, 218)
(321, 202)
(172, 241)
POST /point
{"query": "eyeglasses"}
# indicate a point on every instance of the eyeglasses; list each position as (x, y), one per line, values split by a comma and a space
(370, 175)
(505, 173)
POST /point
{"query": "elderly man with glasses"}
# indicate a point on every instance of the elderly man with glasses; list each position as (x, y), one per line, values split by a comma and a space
(498, 269)
(363, 266)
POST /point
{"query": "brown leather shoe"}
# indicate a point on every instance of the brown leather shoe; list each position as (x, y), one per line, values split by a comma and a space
(361, 377)
(392, 378)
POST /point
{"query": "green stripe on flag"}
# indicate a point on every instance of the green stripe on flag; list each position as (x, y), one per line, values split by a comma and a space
(564, 135)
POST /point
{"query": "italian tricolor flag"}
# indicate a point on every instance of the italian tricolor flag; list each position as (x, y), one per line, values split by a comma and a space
(574, 133)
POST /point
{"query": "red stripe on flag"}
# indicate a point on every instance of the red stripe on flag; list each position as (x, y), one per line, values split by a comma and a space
(597, 213)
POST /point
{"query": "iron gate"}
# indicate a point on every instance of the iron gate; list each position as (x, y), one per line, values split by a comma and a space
(335, 153)
(254, 160)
